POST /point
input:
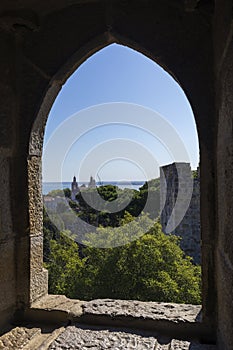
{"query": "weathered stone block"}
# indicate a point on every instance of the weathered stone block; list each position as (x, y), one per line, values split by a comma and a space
(225, 304)
(38, 285)
(36, 253)
(6, 227)
(35, 195)
(7, 275)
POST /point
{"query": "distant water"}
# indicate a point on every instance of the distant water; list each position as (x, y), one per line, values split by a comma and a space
(50, 186)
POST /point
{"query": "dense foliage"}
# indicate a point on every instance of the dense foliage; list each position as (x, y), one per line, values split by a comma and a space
(131, 200)
(55, 193)
(133, 259)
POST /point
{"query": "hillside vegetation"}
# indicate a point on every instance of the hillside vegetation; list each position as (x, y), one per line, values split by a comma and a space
(128, 257)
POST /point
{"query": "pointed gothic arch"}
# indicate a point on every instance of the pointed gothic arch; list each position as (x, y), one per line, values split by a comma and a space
(53, 88)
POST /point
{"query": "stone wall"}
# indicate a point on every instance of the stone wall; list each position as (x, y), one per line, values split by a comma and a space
(180, 203)
(42, 44)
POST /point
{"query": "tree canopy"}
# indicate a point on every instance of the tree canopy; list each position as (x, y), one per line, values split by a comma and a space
(127, 257)
(151, 267)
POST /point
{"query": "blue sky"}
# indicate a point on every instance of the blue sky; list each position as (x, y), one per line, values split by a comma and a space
(117, 74)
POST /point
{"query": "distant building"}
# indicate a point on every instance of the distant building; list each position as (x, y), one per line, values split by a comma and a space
(92, 183)
(74, 189)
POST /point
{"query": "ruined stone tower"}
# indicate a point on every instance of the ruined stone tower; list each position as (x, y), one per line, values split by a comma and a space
(180, 206)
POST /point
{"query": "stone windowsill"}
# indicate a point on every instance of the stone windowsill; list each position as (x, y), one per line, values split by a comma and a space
(178, 319)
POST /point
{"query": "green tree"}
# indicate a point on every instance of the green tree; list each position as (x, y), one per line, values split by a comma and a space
(64, 266)
(152, 267)
(60, 193)
(127, 257)
(50, 232)
(131, 200)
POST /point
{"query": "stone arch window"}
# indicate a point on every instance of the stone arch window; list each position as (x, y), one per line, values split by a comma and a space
(190, 224)
(38, 276)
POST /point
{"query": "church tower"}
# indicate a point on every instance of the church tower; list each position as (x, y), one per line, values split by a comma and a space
(92, 183)
(74, 189)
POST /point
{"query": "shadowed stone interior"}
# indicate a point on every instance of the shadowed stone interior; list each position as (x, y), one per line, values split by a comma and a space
(42, 43)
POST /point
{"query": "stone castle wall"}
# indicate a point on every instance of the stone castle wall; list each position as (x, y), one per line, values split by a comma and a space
(176, 182)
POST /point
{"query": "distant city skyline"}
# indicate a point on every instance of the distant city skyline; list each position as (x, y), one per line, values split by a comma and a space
(117, 81)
